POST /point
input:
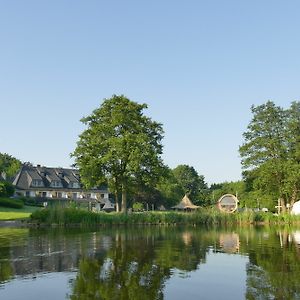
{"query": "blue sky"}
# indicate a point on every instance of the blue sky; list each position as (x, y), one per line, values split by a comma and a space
(199, 65)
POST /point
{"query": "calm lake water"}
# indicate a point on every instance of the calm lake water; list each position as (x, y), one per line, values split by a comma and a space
(150, 263)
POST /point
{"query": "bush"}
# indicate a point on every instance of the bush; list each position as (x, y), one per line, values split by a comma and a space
(6, 189)
(31, 201)
(4, 202)
(137, 206)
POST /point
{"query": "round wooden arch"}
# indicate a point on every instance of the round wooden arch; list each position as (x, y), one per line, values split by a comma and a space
(228, 203)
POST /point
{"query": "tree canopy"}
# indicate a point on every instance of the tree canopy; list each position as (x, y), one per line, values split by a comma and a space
(191, 183)
(9, 166)
(183, 180)
(120, 145)
(271, 151)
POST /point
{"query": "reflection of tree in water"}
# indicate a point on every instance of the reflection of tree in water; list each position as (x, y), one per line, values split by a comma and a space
(135, 263)
(138, 265)
(9, 237)
(273, 272)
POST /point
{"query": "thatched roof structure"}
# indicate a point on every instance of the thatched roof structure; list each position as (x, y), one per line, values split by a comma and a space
(185, 203)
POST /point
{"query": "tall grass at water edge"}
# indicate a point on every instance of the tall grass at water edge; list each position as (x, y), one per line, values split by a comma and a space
(72, 216)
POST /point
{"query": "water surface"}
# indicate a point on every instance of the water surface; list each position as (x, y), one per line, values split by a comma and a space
(150, 263)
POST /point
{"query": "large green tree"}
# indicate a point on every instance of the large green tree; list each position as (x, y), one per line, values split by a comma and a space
(120, 145)
(270, 153)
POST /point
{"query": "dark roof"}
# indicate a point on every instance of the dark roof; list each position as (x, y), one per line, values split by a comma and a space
(108, 205)
(46, 176)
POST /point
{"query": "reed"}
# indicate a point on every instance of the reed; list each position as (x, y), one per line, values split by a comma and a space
(73, 216)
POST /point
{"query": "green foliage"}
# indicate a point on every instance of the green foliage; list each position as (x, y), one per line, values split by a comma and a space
(29, 201)
(271, 151)
(183, 180)
(191, 183)
(120, 145)
(204, 216)
(170, 190)
(6, 189)
(235, 188)
(9, 166)
(7, 202)
(137, 206)
(146, 195)
(248, 196)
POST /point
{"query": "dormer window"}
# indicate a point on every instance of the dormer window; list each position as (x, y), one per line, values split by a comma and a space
(37, 183)
(74, 185)
(56, 183)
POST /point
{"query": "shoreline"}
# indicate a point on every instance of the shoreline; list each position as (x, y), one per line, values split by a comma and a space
(12, 223)
(59, 217)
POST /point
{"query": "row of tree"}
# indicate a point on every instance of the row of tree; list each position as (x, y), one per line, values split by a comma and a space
(271, 152)
(122, 147)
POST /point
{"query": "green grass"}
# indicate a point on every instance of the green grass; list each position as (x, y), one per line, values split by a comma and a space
(7, 213)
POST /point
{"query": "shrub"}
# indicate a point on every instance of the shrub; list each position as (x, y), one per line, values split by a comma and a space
(137, 206)
(6, 189)
(11, 203)
(31, 201)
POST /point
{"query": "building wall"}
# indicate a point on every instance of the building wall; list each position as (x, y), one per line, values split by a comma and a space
(57, 194)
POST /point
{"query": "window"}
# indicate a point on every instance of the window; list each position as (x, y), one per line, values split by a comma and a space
(74, 185)
(56, 183)
(37, 182)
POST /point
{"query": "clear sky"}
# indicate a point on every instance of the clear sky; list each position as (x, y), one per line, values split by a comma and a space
(199, 65)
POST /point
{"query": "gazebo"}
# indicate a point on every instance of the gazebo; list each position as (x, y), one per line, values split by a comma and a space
(185, 204)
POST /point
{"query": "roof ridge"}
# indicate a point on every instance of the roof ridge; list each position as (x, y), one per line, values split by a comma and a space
(17, 177)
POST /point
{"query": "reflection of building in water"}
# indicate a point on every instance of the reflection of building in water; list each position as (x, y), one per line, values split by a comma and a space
(47, 253)
(187, 238)
(230, 242)
(296, 237)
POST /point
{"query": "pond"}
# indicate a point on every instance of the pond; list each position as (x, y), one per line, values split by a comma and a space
(150, 263)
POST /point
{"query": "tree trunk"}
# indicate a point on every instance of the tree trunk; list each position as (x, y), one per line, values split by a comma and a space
(117, 202)
(294, 197)
(124, 199)
(282, 204)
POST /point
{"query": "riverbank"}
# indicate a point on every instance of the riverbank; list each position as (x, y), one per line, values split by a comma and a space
(59, 216)
(8, 213)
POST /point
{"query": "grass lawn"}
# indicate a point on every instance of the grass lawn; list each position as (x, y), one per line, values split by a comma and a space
(7, 213)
